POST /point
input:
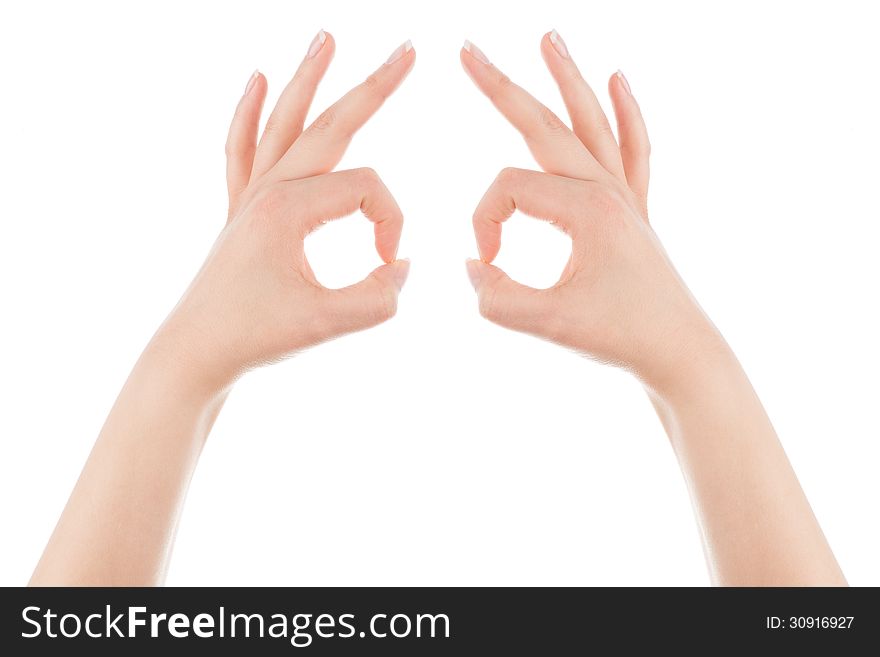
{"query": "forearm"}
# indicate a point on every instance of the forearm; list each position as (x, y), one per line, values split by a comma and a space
(756, 524)
(254, 301)
(119, 523)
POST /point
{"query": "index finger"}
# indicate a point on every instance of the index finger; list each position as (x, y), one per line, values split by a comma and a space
(338, 194)
(555, 147)
(285, 123)
(539, 195)
(322, 145)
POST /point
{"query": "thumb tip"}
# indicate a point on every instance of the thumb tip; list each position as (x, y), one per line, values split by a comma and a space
(400, 272)
(475, 271)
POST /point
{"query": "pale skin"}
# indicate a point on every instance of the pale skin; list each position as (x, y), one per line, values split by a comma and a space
(620, 300)
(256, 300)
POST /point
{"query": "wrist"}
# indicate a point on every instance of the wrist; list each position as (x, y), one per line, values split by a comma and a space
(181, 363)
(690, 364)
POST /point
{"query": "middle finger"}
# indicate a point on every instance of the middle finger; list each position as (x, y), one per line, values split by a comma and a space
(323, 144)
(554, 146)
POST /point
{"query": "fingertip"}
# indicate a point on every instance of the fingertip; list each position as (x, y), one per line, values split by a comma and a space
(388, 240)
(558, 44)
(410, 60)
(260, 86)
(321, 47)
(474, 271)
(395, 69)
(555, 53)
(403, 56)
(255, 89)
(467, 63)
(315, 64)
(329, 48)
(400, 272)
(547, 44)
(251, 81)
(474, 54)
(619, 83)
(371, 301)
(479, 271)
(488, 240)
(393, 273)
(626, 107)
(387, 252)
(480, 70)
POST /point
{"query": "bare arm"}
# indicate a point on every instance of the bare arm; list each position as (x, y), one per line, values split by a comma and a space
(255, 300)
(756, 524)
(621, 301)
(118, 525)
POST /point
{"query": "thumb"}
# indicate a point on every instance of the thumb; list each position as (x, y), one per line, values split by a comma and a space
(370, 301)
(506, 302)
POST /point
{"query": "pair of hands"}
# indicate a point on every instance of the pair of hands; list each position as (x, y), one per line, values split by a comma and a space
(619, 300)
(257, 300)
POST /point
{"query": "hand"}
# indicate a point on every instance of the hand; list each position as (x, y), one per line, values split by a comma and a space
(619, 299)
(256, 299)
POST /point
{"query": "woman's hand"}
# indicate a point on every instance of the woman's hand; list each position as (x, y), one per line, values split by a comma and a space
(619, 298)
(256, 299)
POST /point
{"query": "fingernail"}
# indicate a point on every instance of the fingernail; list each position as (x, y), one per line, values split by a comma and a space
(317, 44)
(623, 81)
(473, 270)
(478, 54)
(401, 271)
(251, 82)
(401, 50)
(559, 44)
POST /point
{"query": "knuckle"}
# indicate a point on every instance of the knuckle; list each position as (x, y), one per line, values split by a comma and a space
(325, 121)
(271, 127)
(572, 79)
(549, 121)
(501, 88)
(603, 200)
(272, 195)
(604, 128)
(373, 84)
(608, 205)
(375, 87)
(508, 176)
(270, 203)
(367, 175)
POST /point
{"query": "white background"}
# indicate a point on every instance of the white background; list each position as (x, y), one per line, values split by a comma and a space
(439, 449)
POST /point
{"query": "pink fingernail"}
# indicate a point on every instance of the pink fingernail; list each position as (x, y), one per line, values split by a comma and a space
(478, 54)
(623, 81)
(558, 44)
(473, 270)
(317, 44)
(251, 82)
(400, 51)
(401, 271)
